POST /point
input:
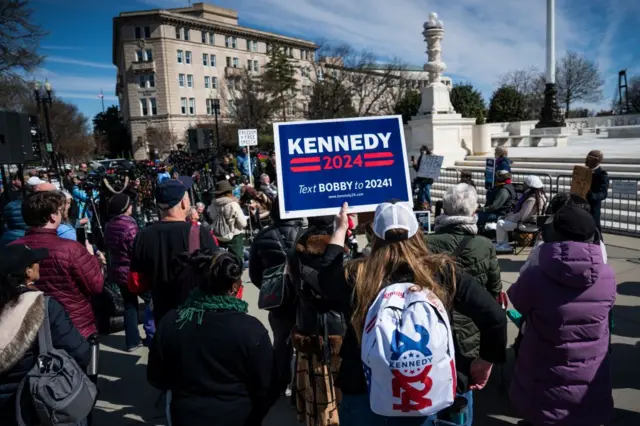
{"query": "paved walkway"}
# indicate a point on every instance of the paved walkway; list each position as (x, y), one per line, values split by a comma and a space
(127, 399)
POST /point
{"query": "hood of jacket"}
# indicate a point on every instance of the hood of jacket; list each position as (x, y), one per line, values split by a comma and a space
(19, 325)
(13, 215)
(223, 201)
(571, 263)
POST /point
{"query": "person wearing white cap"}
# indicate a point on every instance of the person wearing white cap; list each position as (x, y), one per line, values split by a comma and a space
(34, 181)
(531, 203)
(399, 255)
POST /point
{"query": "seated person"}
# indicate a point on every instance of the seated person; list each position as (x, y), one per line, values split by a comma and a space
(531, 203)
(257, 204)
(500, 198)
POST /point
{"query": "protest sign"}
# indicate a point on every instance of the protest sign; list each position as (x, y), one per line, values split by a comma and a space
(628, 187)
(581, 181)
(321, 164)
(247, 137)
(430, 166)
(490, 173)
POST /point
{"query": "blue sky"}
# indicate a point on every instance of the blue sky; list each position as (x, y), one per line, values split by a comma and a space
(483, 38)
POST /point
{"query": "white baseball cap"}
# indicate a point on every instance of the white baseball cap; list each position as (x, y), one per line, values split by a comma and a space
(35, 180)
(533, 182)
(390, 216)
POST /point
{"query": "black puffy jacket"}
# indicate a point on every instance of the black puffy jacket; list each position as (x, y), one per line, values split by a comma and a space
(19, 349)
(267, 251)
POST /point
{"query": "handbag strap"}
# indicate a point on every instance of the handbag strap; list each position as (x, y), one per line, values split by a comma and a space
(461, 246)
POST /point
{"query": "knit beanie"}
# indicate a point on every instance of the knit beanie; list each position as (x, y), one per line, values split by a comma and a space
(119, 204)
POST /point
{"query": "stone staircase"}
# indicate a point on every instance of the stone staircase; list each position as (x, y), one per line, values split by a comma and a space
(620, 211)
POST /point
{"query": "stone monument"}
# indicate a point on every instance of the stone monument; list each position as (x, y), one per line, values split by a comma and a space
(437, 124)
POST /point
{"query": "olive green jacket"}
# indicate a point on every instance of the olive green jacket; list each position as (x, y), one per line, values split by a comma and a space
(479, 260)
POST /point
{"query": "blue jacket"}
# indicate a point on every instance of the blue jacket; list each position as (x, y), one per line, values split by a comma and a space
(14, 223)
(81, 199)
(244, 165)
(67, 231)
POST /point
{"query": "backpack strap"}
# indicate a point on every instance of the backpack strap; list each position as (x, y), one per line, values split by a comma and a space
(44, 343)
(461, 246)
(194, 238)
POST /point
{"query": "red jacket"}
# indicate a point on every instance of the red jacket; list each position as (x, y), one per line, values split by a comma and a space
(70, 275)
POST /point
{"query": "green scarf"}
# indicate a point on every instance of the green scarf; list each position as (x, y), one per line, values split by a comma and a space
(199, 303)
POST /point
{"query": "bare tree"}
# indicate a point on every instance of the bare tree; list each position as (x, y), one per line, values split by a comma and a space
(70, 131)
(19, 37)
(248, 104)
(15, 93)
(634, 94)
(530, 83)
(578, 80)
(373, 88)
(161, 139)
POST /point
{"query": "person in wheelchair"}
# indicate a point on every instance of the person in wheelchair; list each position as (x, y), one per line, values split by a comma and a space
(530, 204)
(499, 201)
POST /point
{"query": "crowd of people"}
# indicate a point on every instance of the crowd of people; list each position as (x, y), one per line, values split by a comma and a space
(403, 332)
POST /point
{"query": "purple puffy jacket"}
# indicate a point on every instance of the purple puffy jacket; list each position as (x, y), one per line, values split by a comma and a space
(119, 235)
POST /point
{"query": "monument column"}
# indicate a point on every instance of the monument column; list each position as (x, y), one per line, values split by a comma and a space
(550, 115)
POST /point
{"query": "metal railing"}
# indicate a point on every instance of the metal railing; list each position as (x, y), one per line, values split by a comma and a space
(620, 210)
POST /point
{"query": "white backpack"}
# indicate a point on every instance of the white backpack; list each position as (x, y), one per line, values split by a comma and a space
(408, 354)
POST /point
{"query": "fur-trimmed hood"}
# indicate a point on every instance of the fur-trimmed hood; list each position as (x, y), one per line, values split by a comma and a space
(19, 326)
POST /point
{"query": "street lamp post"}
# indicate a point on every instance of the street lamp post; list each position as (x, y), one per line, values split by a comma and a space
(215, 105)
(44, 98)
(551, 115)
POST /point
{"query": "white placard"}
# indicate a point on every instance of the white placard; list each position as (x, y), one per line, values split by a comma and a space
(430, 166)
(248, 137)
(624, 187)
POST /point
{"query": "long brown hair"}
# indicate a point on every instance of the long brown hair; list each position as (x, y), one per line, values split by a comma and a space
(389, 261)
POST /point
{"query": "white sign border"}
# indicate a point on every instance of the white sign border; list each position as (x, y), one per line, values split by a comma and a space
(253, 131)
(296, 214)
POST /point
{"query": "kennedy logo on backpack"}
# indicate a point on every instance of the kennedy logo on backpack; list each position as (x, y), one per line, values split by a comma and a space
(408, 353)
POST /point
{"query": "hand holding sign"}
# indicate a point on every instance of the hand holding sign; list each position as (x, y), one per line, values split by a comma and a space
(341, 226)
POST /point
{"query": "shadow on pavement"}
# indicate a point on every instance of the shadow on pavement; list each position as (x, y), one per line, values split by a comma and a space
(625, 370)
(626, 321)
(629, 288)
(281, 414)
(625, 418)
(508, 265)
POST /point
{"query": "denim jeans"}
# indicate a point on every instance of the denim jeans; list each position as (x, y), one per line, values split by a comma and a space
(131, 332)
(425, 193)
(355, 411)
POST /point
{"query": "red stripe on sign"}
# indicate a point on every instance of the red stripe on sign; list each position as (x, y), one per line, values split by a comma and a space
(305, 160)
(306, 169)
(372, 155)
(378, 163)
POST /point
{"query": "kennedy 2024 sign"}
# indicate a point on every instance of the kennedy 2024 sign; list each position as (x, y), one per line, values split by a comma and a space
(321, 164)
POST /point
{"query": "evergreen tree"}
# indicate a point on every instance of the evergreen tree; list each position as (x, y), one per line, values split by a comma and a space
(506, 105)
(279, 80)
(467, 101)
(408, 105)
(330, 99)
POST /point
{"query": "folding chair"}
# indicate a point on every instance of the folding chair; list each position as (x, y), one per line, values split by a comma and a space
(525, 235)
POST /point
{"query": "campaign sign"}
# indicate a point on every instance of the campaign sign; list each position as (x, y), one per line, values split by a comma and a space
(321, 164)
(430, 166)
(490, 173)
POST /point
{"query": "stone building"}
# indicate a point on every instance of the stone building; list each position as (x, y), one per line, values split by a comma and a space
(172, 63)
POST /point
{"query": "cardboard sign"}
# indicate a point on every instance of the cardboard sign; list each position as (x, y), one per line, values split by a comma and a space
(490, 173)
(321, 164)
(248, 137)
(430, 166)
(581, 181)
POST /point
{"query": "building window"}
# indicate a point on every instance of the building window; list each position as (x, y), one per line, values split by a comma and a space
(178, 33)
(252, 45)
(209, 106)
(256, 66)
(212, 38)
(154, 106)
(206, 81)
(143, 106)
(228, 61)
(268, 48)
(151, 79)
(231, 83)
(187, 57)
(232, 105)
(192, 106)
(205, 59)
(212, 60)
(249, 64)
(147, 32)
(181, 80)
(214, 82)
(303, 54)
(183, 105)
(142, 81)
(180, 53)
(227, 41)
(234, 42)
(236, 63)
(138, 55)
(148, 55)
(204, 36)
(186, 34)
(303, 72)
(147, 81)
(138, 33)
(190, 81)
